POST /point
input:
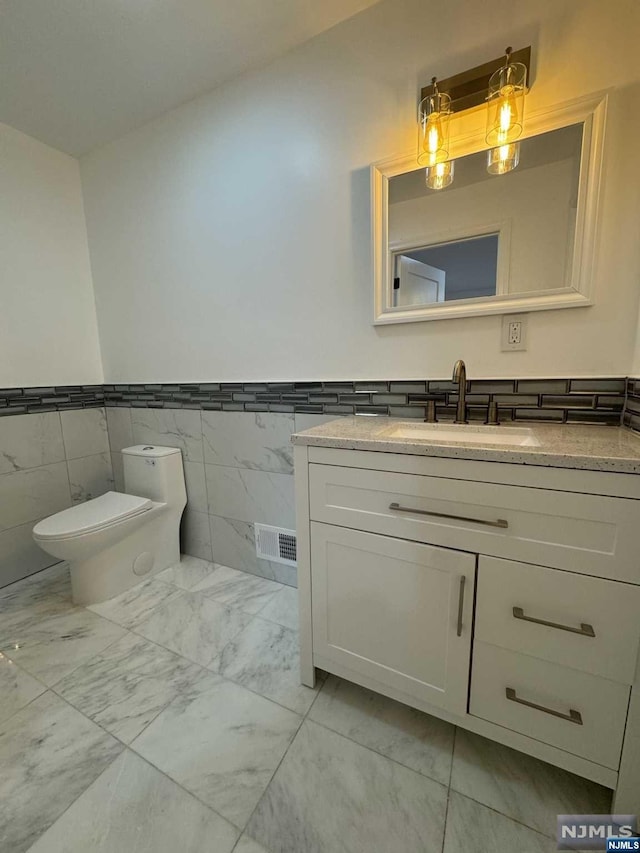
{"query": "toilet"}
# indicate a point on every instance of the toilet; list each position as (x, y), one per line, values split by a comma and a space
(114, 541)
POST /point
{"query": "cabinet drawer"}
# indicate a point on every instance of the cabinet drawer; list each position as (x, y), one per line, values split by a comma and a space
(595, 626)
(598, 706)
(589, 534)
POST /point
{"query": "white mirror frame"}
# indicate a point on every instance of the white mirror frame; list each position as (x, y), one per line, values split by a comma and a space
(589, 111)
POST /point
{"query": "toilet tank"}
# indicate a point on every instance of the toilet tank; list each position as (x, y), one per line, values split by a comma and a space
(155, 472)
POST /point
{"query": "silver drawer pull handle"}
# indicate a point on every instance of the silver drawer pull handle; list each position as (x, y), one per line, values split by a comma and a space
(584, 630)
(461, 604)
(572, 717)
(500, 522)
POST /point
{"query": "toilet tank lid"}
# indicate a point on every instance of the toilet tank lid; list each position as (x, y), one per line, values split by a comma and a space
(91, 515)
(152, 450)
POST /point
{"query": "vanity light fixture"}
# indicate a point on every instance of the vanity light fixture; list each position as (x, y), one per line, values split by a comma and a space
(440, 176)
(434, 114)
(507, 76)
(505, 115)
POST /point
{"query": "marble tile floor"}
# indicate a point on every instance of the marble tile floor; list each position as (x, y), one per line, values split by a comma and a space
(171, 718)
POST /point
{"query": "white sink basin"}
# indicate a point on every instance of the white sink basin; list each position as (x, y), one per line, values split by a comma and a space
(464, 434)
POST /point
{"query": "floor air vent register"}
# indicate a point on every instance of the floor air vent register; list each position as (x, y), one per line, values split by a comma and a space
(276, 544)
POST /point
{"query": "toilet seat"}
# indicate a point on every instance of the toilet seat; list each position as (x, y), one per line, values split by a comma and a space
(93, 515)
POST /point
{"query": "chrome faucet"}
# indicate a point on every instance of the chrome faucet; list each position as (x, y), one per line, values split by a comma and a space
(460, 376)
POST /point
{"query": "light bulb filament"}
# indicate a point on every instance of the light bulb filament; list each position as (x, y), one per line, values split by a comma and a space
(507, 88)
(505, 117)
(433, 140)
(507, 112)
(434, 114)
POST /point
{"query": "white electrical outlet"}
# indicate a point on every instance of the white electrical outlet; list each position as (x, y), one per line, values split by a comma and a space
(514, 332)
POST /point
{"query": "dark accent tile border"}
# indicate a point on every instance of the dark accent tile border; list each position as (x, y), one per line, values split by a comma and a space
(631, 415)
(596, 401)
(22, 401)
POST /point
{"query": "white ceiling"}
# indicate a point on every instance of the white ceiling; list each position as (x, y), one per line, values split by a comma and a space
(78, 73)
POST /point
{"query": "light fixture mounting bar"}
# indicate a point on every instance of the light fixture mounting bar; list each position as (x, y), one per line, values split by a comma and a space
(469, 88)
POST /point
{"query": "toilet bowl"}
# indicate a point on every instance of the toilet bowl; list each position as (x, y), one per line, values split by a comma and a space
(113, 541)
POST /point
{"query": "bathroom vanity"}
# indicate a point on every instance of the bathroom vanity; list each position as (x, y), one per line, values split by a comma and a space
(488, 576)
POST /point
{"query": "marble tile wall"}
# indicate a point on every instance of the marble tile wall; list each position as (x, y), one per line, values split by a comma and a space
(239, 464)
(48, 462)
(238, 471)
(238, 457)
(235, 442)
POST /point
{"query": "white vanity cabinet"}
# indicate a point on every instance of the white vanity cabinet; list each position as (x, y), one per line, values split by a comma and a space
(504, 598)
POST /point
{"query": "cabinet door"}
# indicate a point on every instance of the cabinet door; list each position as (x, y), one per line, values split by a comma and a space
(395, 611)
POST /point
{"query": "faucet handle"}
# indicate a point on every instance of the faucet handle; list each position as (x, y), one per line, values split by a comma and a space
(428, 400)
(492, 414)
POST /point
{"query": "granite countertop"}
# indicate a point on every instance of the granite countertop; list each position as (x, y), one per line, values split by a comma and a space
(593, 448)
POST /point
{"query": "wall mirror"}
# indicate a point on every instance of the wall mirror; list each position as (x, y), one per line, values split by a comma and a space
(490, 244)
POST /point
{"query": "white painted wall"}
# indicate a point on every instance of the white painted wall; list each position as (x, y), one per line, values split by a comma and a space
(230, 238)
(48, 331)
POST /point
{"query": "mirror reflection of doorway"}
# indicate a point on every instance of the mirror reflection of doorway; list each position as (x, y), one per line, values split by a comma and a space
(417, 283)
(460, 269)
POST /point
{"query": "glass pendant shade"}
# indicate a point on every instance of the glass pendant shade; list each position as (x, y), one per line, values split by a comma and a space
(505, 112)
(503, 159)
(440, 176)
(434, 114)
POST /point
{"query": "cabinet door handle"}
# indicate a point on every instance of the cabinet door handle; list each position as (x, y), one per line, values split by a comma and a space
(572, 717)
(460, 604)
(585, 630)
(499, 522)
